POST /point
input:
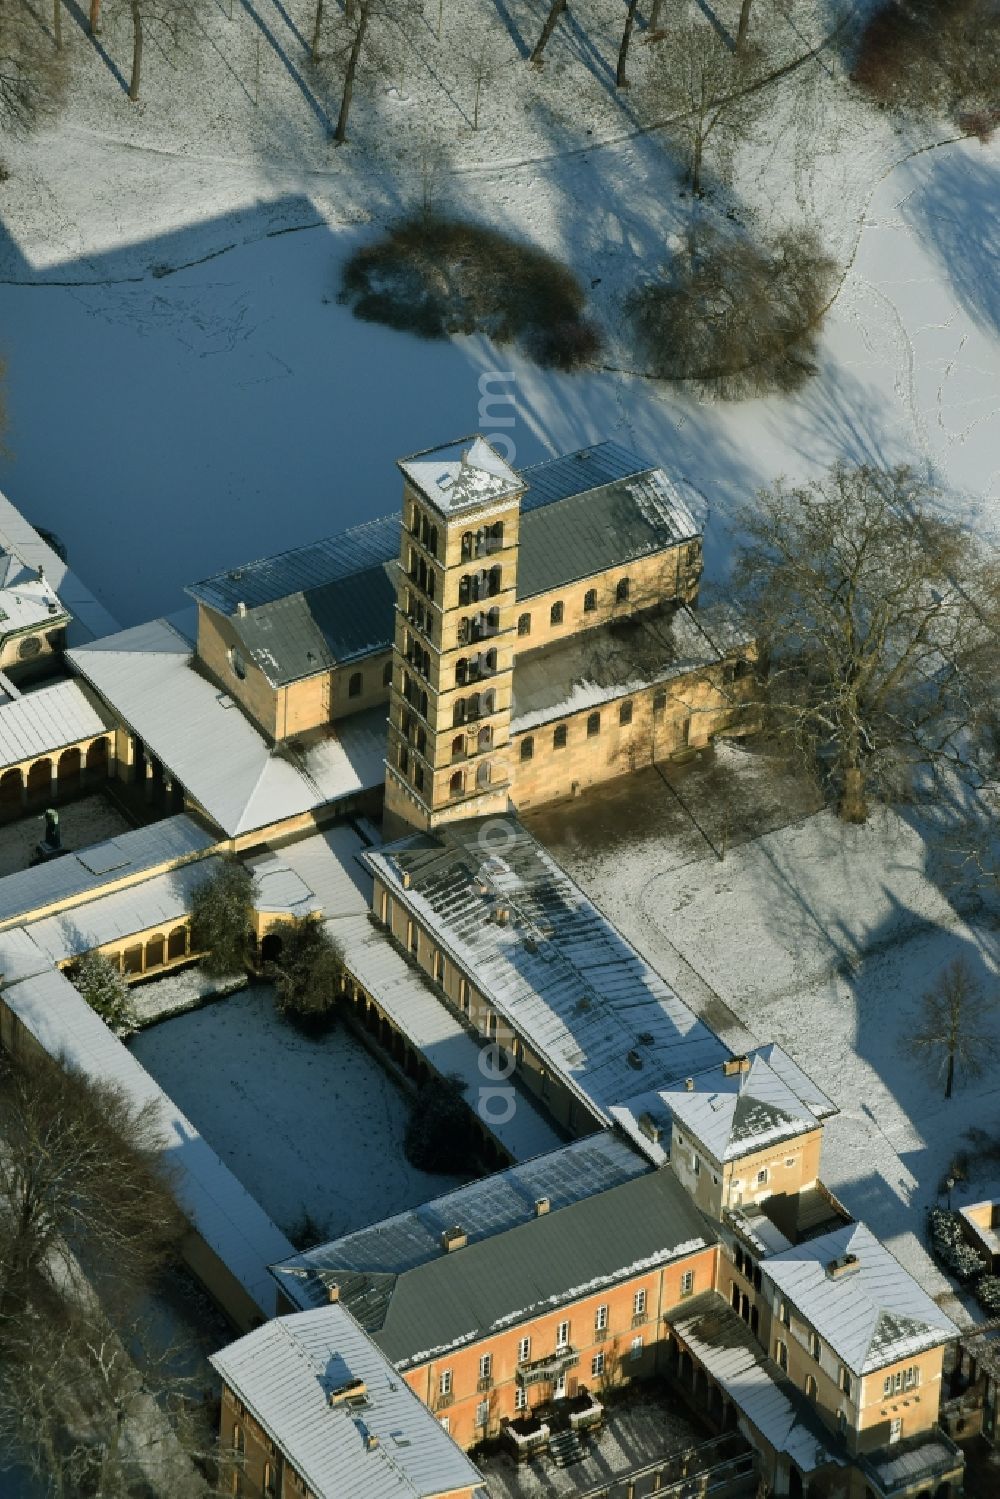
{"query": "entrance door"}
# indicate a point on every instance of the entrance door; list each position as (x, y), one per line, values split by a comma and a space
(560, 1388)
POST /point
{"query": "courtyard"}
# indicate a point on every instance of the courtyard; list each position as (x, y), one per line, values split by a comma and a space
(646, 1441)
(83, 822)
(313, 1128)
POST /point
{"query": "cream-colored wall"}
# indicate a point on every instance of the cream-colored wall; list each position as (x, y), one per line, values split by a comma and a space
(697, 708)
(791, 1166)
(672, 574)
(216, 639)
(51, 641)
(916, 1408)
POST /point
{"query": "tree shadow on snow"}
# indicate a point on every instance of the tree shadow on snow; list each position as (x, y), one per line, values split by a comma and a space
(956, 214)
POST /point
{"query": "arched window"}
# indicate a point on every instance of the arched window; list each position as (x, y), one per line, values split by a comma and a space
(425, 529)
(464, 589)
(423, 705)
(622, 590)
(493, 619)
(425, 663)
(239, 1439)
(593, 725)
(559, 736)
(491, 659)
(404, 758)
(270, 1482)
(527, 748)
(354, 684)
(461, 671)
(458, 746)
(810, 1387)
(466, 545)
(625, 712)
(556, 613)
(421, 741)
(484, 738)
(418, 777)
(464, 632)
(430, 585)
(458, 712)
(590, 600)
(474, 702)
(483, 773)
(496, 579)
(489, 702)
(457, 783)
(524, 624)
(387, 674)
(432, 542)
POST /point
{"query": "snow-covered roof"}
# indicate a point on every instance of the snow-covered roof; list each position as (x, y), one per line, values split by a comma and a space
(724, 1346)
(483, 1208)
(160, 902)
(62, 882)
(461, 475)
(27, 599)
(47, 720)
(556, 970)
(226, 1217)
(89, 619)
(381, 1446)
(208, 745)
(732, 1112)
(873, 1313)
(608, 662)
(509, 1277)
(279, 889)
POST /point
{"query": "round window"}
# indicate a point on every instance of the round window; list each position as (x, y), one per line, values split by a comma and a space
(238, 664)
(30, 646)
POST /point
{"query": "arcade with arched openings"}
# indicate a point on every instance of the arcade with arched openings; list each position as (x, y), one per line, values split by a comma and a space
(30, 784)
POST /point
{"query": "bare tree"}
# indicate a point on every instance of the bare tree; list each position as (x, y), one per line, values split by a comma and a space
(706, 88)
(877, 620)
(316, 31)
(172, 16)
(32, 71)
(555, 11)
(744, 25)
(621, 77)
(353, 58)
(82, 1180)
(955, 1029)
(483, 70)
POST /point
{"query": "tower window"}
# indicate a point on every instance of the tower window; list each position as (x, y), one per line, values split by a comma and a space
(387, 674)
(466, 546)
(622, 590)
(524, 624)
(556, 613)
(483, 773)
(559, 736)
(590, 600)
(496, 579)
(458, 746)
(457, 784)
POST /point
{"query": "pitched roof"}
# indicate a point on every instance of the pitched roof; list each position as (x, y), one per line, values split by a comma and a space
(333, 600)
(204, 740)
(556, 970)
(733, 1114)
(48, 719)
(27, 601)
(460, 1297)
(485, 1208)
(872, 1315)
(383, 1445)
(461, 475)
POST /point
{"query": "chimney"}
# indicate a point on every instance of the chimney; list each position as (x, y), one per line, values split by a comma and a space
(371, 1441)
(845, 1265)
(406, 879)
(735, 1065)
(241, 609)
(454, 1238)
(689, 1084)
(333, 1293)
(542, 1206)
(41, 574)
(501, 915)
(351, 1389)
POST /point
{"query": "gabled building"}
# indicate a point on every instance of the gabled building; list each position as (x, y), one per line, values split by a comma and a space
(311, 1410)
(33, 620)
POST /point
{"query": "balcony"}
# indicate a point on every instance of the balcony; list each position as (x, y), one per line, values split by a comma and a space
(922, 1459)
(547, 1370)
(483, 1384)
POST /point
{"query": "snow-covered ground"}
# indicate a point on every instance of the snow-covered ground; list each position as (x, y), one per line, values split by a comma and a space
(307, 1126)
(824, 938)
(169, 424)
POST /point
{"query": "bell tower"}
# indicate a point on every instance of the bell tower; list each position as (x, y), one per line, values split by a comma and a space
(453, 655)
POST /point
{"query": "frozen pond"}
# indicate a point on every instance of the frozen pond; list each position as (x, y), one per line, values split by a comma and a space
(306, 1126)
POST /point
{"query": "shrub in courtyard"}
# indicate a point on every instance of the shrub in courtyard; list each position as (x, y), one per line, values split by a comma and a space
(105, 991)
(439, 1135)
(738, 317)
(987, 1290)
(934, 56)
(221, 919)
(436, 276)
(308, 974)
(950, 1247)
